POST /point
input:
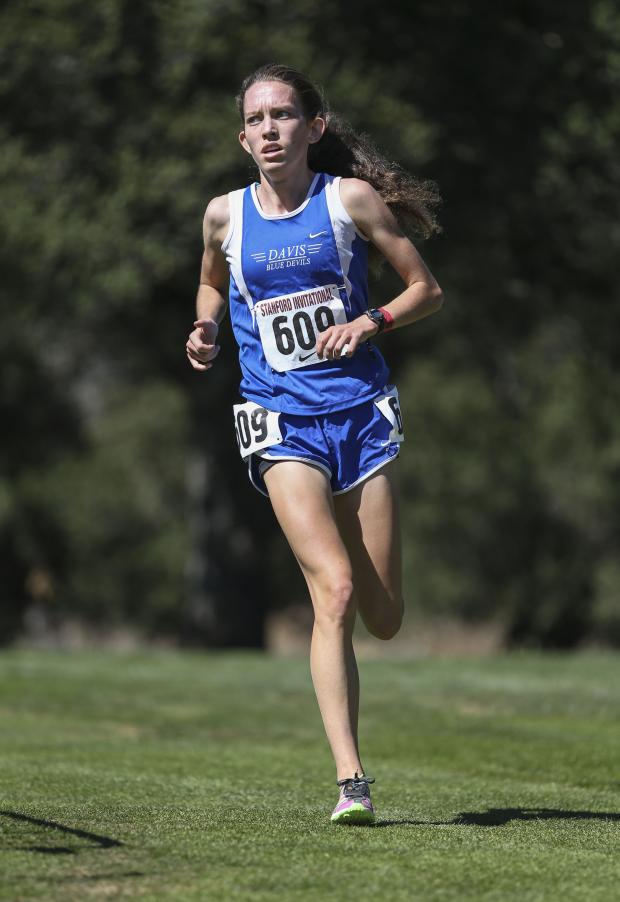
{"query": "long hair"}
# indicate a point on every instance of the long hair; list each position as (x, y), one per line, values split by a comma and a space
(345, 152)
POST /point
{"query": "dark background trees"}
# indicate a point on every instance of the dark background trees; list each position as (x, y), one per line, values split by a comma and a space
(122, 498)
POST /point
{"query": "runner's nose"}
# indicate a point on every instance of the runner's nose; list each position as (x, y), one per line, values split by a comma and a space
(269, 128)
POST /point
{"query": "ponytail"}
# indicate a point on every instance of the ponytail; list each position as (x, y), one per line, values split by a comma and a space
(342, 151)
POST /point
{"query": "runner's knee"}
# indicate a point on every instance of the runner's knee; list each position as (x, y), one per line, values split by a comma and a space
(334, 604)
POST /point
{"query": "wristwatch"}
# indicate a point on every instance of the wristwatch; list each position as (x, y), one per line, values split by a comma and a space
(377, 317)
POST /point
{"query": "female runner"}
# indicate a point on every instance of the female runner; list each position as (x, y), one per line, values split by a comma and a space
(319, 422)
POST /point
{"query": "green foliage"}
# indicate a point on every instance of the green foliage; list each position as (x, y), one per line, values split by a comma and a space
(462, 474)
(108, 523)
(119, 124)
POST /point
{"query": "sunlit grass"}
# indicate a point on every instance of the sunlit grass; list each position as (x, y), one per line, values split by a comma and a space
(206, 776)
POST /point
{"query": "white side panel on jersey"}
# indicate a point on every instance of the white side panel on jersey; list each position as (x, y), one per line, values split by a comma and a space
(344, 227)
(232, 244)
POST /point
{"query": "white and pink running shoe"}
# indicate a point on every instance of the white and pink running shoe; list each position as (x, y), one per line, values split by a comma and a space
(354, 805)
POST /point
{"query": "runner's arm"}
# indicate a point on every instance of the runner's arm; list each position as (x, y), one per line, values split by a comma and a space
(211, 301)
(422, 295)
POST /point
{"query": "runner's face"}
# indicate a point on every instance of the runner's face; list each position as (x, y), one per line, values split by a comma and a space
(276, 132)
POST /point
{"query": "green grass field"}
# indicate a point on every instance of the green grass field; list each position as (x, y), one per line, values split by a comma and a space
(206, 776)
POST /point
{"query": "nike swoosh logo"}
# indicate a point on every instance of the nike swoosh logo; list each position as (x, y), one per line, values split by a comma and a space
(307, 356)
(316, 234)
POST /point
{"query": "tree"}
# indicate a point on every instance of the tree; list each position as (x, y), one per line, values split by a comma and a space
(121, 492)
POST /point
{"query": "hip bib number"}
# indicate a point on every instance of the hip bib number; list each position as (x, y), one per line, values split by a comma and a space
(389, 406)
(256, 427)
(289, 325)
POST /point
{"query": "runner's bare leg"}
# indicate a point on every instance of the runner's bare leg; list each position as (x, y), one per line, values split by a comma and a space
(368, 521)
(303, 504)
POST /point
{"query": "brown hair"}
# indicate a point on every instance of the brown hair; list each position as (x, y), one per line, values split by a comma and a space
(345, 152)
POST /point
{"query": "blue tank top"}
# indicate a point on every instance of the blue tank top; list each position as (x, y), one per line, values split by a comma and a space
(291, 276)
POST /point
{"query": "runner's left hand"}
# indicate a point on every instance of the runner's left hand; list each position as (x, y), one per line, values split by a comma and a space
(343, 341)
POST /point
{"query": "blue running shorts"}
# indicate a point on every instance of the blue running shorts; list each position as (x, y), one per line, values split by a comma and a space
(347, 445)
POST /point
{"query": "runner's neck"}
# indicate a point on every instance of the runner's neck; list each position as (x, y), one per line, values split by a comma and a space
(277, 197)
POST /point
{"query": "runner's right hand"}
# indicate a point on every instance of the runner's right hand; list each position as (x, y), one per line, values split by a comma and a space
(201, 349)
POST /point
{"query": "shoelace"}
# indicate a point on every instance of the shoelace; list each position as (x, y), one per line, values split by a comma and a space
(355, 787)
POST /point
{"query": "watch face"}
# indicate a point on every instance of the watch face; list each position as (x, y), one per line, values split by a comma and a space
(377, 317)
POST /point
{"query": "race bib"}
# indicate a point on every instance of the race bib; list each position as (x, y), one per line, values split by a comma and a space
(289, 325)
(389, 406)
(255, 427)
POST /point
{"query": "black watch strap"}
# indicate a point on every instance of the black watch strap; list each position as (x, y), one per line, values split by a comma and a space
(377, 317)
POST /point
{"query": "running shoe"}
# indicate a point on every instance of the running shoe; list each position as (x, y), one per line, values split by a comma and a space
(354, 805)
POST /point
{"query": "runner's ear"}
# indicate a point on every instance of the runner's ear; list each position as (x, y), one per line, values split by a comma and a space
(244, 143)
(317, 129)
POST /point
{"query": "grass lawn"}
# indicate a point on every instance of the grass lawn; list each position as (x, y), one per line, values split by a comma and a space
(195, 776)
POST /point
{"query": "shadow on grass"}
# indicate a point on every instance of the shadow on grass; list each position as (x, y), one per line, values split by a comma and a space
(104, 842)
(497, 817)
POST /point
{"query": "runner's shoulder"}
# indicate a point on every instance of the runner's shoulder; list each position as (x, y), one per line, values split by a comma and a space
(366, 207)
(216, 220)
(356, 191)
